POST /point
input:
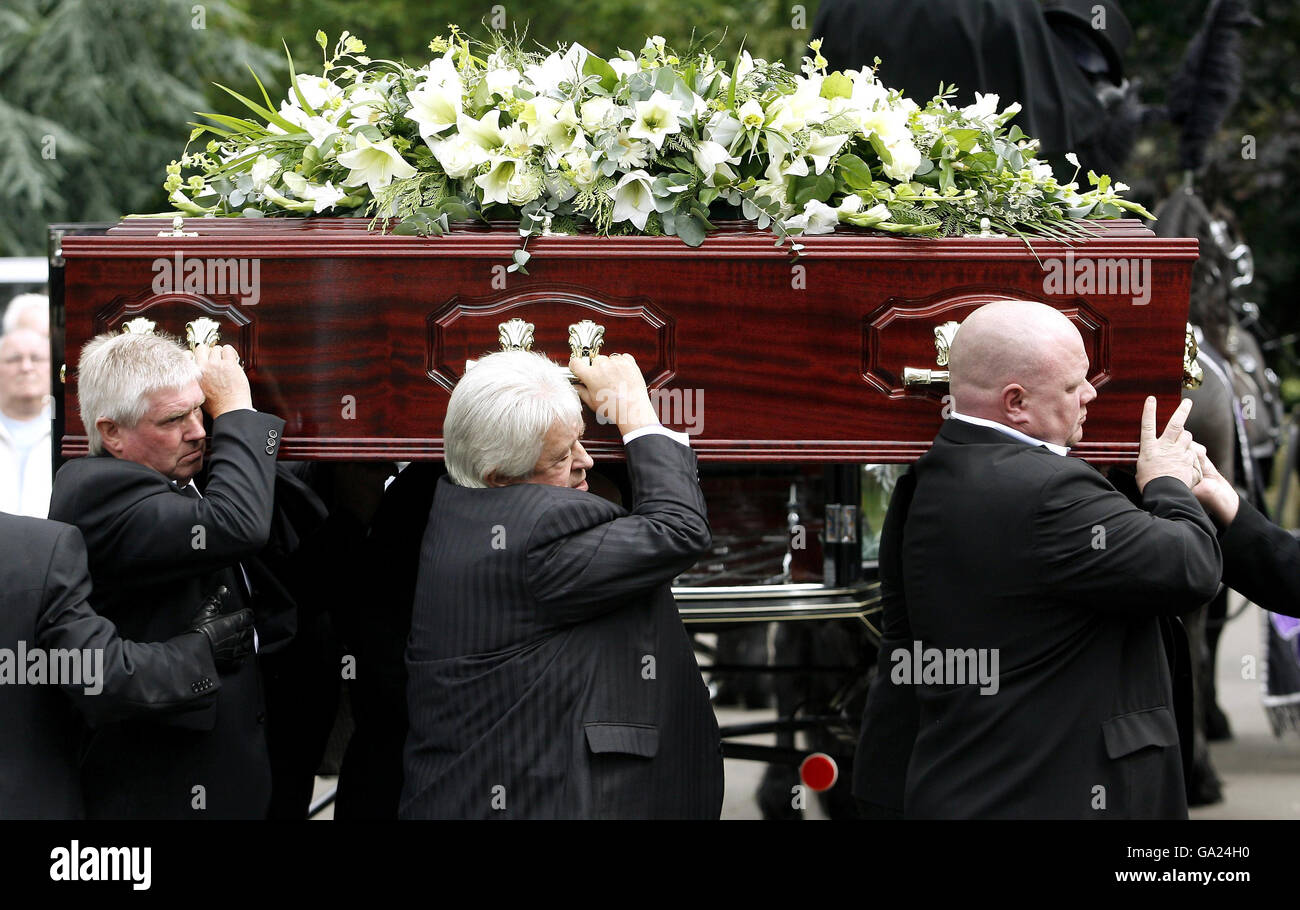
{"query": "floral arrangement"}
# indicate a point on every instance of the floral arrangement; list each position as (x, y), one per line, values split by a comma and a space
(650, 142)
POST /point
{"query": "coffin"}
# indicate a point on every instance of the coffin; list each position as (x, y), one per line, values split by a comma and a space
(356, 338)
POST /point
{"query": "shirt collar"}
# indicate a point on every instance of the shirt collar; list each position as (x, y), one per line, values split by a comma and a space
(1012, 432)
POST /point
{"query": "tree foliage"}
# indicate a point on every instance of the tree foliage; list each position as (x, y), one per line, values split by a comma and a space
(94, 97)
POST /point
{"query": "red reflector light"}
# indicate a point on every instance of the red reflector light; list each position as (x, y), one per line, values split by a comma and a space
(819, 772)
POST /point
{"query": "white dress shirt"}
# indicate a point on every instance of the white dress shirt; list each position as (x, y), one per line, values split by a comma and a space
(1012, 432)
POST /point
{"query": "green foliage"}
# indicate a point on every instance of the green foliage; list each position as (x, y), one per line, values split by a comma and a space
(93, 98)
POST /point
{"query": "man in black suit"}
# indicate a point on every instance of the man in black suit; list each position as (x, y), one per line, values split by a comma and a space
(155, 544)
(550, 674)
(85, 668)
(1260, 560)
(999, 552)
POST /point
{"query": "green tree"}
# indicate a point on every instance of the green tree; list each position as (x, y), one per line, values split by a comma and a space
(94, 97)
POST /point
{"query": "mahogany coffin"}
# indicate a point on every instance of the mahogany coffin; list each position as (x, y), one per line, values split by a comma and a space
(356, 338)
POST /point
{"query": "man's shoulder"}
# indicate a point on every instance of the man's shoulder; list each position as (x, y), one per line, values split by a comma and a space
(1012, 461)
(84, 485)
(30, 534)
(101, 469)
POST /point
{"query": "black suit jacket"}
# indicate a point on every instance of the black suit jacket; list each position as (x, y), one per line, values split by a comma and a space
(44, 583)
(1261, 561)
(550, 674)
(990, 543)
(153, 552)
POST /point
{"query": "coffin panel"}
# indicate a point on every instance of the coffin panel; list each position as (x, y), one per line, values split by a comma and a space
(356, 337)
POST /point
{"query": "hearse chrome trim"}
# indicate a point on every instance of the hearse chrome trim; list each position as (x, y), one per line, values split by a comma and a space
(774, 603)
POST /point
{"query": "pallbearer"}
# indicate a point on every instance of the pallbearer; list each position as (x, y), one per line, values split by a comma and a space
(550, 675)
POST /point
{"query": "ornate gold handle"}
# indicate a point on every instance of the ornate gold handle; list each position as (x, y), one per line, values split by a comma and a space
(139, 326)
(202, 331)
(585, 340)
(1193, 375)
(943, 336)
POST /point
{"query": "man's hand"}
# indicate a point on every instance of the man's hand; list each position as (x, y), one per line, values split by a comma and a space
(223, 380)
(229, 634)
(1214, 493)
(614, 388)
(1170, 454)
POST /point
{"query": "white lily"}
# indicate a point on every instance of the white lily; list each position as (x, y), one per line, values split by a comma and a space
(547, 76)
(822, 148)
(495, 183)
(263, 171)
(322, 127)
(484, 132)
(321, 197)
(317, 90)
(374, 164)
(722, 128)
(984, 110)
(633, 199)
(867, 90)
(558, 126)
(816, 218)
(791, 113)
(905, 159)
(502, 80)
(436, 104)
(656, 118)
(712, 158)
(623, 68)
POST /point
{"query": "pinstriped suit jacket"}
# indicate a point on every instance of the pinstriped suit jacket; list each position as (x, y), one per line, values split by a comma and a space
(550, 675)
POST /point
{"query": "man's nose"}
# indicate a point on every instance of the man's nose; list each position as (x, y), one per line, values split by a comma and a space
(1089, 393)
(195, 429)
(580, 457)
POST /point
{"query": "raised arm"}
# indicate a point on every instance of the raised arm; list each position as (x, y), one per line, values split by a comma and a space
(122, 678)
(580, 563)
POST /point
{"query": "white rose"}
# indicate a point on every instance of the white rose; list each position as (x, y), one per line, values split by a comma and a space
(599, 112)
(524, 186)
(584, 171)
(458, 156)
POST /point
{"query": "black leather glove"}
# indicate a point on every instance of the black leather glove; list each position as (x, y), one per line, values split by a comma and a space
(230, 634)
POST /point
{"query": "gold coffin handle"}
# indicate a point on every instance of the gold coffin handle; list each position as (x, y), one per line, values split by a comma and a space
(202, 331)
(1193, 375)
(585, 340)
(943, 336)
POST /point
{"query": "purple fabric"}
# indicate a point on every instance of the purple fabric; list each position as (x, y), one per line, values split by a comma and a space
(1287, 626)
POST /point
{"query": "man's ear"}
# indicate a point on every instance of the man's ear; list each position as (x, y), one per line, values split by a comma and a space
(493, 479)
(1013, 403)
(111, 436)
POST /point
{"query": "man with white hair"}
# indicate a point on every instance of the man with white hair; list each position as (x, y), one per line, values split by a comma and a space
(156, 543)
(28, 311)
(999, 552)
(550, 675)
(25, 462)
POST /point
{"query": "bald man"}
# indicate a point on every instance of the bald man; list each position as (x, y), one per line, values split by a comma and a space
(1025, 670)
